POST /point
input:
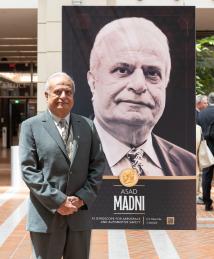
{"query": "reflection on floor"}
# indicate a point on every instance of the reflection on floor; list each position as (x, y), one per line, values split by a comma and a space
(106, 244)
(4, 166)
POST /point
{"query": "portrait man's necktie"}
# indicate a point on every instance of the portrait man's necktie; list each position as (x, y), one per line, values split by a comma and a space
(135, 156)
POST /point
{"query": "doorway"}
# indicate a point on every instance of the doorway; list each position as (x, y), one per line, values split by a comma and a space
(17, 114)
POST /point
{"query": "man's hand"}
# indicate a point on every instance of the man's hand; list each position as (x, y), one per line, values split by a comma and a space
(67, 207)
(76, 201)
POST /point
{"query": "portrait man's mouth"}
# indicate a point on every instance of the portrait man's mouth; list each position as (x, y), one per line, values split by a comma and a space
(136, 102)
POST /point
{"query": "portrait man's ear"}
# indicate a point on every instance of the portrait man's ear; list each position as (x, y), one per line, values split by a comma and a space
(91, 81)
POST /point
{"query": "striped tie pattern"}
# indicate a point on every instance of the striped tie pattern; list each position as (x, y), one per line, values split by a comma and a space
(64, 129)
(67, 136)
(135, 156)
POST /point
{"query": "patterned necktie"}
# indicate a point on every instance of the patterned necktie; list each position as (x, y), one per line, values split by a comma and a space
(66, 136)
(63, 126)
(135, 156)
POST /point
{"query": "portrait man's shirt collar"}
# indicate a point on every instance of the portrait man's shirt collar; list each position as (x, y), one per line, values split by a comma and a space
(116, 151)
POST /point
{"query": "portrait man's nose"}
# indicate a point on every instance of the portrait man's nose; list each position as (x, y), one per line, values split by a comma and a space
(137, 82)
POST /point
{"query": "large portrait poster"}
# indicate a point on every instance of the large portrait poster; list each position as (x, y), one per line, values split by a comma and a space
(134, 69)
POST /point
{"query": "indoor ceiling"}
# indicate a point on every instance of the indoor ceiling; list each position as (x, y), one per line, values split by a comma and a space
(18, 36)
(18, 33)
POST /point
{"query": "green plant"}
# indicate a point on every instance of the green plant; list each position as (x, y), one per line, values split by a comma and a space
(205, 65)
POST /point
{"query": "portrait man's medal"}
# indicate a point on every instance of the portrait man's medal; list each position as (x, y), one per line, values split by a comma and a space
(129, 177)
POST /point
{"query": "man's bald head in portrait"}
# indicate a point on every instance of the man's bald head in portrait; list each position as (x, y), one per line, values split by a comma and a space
(129, 72)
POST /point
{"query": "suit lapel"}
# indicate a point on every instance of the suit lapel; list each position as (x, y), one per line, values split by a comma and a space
(75, 124)
(52, 130)
(164, 153)
(107, 169)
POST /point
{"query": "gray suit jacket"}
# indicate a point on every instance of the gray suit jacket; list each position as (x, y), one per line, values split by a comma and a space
(50, 175)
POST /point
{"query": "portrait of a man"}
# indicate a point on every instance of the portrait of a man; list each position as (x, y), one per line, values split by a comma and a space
(129, 73)
(135, 68)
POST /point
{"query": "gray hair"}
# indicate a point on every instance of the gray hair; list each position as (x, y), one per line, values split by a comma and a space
(199, 98)
(124, 25)
(59, 74)
(211, 98)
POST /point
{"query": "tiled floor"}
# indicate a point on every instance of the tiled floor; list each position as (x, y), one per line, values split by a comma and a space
(106, 244)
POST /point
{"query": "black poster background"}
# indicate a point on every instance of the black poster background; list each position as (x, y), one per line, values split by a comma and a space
(79, 28)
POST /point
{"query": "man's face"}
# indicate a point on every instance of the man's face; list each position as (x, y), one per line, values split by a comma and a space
(129, 84)
(59, 96)
(202, 104)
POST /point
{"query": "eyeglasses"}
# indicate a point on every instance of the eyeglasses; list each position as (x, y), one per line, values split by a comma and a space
(60, 91)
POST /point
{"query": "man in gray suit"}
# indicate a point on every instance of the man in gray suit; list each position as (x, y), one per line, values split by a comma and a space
(62, 164)
(129, 72)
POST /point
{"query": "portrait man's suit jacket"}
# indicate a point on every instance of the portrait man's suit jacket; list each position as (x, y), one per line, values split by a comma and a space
(50, 175)
(173, 159)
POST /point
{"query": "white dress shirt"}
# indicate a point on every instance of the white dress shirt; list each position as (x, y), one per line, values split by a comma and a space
(116, 151)
(57, 120)
(69, 143)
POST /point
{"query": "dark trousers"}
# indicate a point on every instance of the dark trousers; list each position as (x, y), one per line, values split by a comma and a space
(63, 243)
(207, 177)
